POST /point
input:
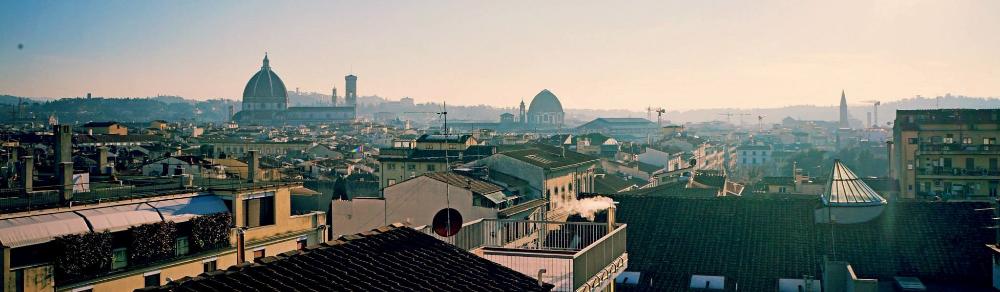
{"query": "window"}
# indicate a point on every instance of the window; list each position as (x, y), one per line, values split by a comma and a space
(431, 167)
(989, 141)
(258, 210)
(302, 243)
(181, 246)
(209, 265)
(913, 140)
(119, 258)
(259, 253)
(391, 182)
(970, 163)
(390, 166)
(949, 139)
(993, 164)
(967, 140)
(411, 167)
(151, 279)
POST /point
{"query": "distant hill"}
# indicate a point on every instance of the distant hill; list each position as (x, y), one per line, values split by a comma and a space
(176, 108)
(81, 110)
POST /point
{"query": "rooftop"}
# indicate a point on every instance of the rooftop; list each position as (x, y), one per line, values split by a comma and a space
(473, 184)
(389, 258)
(756, 240)
(550, 157)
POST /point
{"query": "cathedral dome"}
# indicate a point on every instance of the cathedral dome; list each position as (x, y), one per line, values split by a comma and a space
(265, 86)
(545, 102)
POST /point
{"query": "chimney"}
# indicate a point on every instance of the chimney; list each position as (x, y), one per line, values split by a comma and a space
(253, 162)
(63, 136)
(64, 179)
(611, 217)
(102, 160)
(27, 173)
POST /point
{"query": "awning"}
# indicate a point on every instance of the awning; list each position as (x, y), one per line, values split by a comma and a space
(183, 209)
(118, 218)
(31, 230)
(496, 197)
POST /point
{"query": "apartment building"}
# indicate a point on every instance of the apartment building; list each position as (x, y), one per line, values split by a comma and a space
(428, 153)
(130, 232)
(947, 153)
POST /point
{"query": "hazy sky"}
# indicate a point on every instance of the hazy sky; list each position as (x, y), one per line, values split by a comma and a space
(600, 54)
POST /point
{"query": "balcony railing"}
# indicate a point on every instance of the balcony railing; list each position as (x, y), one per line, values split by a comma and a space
(576, 256)
(954, 171)
(956, 147)
(42, 197)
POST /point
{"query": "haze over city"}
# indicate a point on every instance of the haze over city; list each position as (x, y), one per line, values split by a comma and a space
(675, 54)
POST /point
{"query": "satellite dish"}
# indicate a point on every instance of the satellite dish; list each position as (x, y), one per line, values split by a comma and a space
(447, 222)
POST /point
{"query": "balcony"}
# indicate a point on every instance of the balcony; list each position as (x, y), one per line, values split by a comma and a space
(956, 148)
(575, 256)
(954, 172)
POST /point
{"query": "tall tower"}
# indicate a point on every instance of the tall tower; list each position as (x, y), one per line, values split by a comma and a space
(521, 114)
(844, 123)
(351, 95)
(333, 97)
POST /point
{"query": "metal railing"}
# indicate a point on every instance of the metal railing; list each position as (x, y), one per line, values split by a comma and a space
(960, 148)
(575, 254)
(592, 266)
(20, 200)
(955, 171)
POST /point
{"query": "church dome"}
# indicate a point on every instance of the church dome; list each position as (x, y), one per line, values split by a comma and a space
(545, 102)
(265, 86)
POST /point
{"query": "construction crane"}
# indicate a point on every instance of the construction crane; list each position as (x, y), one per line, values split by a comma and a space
(875, 113)
(650, 110)
(659, 116)
(760, 123)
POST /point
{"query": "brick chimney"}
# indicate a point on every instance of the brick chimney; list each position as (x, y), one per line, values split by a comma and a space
(253, 162)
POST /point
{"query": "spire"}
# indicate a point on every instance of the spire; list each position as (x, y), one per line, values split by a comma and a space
(844, 116)
(267, 64)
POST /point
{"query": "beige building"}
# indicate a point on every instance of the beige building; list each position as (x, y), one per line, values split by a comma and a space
(35, 256)
(948, 153)
(105, 128)
(428, 153)
(416, 201)
(546, 172)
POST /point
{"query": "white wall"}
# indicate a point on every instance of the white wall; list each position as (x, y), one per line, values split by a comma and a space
(414, 202)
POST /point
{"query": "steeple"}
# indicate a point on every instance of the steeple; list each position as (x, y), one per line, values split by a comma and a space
(844, 122)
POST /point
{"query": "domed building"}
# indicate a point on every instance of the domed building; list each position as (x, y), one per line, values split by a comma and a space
(545, 111)
(265, 102)
(265, 90)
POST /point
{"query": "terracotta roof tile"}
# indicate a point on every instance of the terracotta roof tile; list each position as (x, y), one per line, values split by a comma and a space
(391, 258)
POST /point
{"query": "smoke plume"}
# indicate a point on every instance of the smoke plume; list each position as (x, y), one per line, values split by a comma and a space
(587, 208)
